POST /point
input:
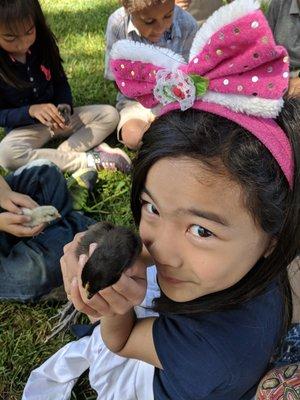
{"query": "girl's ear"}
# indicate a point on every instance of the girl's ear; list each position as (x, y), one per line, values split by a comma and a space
(270, 248)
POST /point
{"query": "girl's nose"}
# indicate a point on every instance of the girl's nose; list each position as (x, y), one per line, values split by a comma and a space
(165, 247)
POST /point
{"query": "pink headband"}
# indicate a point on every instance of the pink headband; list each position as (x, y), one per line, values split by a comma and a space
(235, 70)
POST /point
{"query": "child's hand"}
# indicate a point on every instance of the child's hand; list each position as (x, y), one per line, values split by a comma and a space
(294, 87)
(183, 3)
(12, 221)
(14, 201)
(13, 224)
(129, 291)
(69, 262)
(47, 114)
(117, 299)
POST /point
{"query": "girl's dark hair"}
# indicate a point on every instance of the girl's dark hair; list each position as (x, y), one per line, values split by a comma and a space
(275, 207)
(14, 12)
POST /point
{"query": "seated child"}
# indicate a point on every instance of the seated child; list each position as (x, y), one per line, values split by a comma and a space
(156, 22)
(34, 88)
(29, 257)
(215, 195)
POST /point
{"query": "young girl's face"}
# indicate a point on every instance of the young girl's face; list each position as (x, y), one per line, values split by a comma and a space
(197, 229)
(153, 21)
(18, 41)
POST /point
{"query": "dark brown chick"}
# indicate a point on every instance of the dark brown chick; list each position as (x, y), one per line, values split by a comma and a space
(65, 112)
(118, 247)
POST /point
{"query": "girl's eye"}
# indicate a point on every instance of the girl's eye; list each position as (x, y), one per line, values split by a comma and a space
(199, 231)
(148, 22)
(10, 39)
(149, 207)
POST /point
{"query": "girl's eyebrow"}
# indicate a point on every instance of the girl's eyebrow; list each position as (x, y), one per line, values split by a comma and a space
(14, 35)
(145, 190)
(209, 215)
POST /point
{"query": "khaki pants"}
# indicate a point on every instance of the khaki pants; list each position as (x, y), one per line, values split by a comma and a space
(89, 126)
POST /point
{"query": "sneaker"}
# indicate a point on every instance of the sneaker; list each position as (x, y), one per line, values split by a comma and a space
(105, 157)
(80, 184)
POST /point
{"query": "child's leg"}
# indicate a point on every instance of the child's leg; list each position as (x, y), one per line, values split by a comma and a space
(22, 145)
(30, 267)
(55, 378)
(90, 126)
(134, 121)
(113, 377)
(44, 182)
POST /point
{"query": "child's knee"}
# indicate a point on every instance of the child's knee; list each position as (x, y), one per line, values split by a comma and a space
(13, 156)
(132, 133)
(106, 115)
(42, 167)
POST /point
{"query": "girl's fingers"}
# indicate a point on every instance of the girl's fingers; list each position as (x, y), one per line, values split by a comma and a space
(36, 230)
(59, 119)
(10, 206)
(133, 289)
(22, 231)
(117, 303)
(71, 246)
(43, 121)
(66, 281)
(69, 262)
(78, 302)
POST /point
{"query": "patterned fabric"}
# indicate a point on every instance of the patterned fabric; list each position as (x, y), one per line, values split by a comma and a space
(289, 352)
(280, 384)
(237, 71)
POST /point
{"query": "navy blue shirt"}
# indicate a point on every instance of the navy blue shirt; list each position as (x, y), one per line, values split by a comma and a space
(220, 355)
(44, 88)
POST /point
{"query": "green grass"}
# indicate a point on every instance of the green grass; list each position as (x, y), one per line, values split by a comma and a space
(79, 27)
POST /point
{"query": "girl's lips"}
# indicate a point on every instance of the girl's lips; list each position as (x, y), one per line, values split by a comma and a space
(172, 281)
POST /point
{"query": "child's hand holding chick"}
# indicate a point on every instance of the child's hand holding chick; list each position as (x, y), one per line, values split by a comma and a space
(112, 274)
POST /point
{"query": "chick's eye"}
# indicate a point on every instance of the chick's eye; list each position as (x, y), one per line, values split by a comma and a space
(199, 231)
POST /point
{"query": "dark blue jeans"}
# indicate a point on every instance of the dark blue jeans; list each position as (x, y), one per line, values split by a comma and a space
(30, 267)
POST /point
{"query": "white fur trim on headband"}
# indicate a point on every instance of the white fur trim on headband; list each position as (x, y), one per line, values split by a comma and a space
(135, 51)
(223, 16)
(266, 108)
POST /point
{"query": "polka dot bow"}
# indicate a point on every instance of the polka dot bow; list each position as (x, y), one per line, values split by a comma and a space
(234, 62)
